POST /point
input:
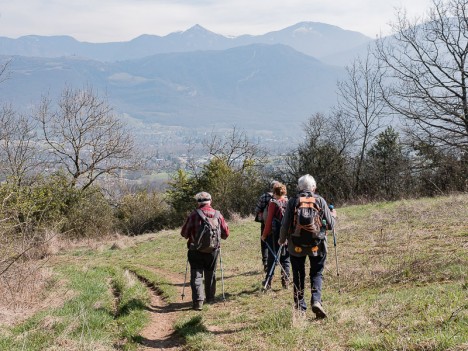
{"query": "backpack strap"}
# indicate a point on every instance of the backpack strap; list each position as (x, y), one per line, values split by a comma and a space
(205, 218)
(201, 214)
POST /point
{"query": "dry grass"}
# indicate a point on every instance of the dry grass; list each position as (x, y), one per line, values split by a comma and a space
(28, 285)
(21, 288)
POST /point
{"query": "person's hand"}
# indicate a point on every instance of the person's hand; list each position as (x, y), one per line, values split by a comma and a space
(333, 213)
(263, 238)
(282, 244)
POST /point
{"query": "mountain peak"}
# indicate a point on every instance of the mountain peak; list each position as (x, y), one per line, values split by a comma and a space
(196, 28)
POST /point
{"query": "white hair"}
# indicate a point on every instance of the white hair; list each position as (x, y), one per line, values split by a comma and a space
(306, 182)
(203, 198)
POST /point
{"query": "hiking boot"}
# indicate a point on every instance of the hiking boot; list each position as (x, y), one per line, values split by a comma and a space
(318, 310)
(198, 305)
(210, 300)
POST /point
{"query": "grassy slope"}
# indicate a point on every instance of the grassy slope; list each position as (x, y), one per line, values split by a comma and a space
(403, 270)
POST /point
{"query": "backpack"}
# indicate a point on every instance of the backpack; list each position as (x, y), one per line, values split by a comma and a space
(209, 234)
(307, 223)
(276, 224)
(265, 210)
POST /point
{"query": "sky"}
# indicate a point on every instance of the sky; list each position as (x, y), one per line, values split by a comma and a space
(123, 20)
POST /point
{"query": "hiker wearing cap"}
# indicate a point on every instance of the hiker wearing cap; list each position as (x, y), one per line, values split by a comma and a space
(270, 236)
(203, 229)
(305, 221)
(261, 216)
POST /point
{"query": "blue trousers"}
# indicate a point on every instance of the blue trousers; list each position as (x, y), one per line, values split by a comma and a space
(317, 264)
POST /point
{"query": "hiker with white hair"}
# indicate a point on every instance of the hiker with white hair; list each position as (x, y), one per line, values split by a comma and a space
(304, 228)
(203, 229)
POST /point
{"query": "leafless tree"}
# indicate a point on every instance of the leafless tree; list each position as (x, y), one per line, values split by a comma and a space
(19, 156)
(4, 73)
(360, 101)
(235, 148)
(426, 62)
(85, 136)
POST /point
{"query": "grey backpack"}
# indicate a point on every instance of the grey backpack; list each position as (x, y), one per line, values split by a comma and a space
(208, 236)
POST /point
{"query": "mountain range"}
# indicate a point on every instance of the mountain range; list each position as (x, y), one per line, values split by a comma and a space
(192, 78)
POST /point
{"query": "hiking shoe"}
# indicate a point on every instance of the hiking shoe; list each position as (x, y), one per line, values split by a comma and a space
(318, 310)
(198, 305)
(210, 300)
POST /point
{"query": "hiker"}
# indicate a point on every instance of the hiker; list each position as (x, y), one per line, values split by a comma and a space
(203, 228)
(305, 221)
(271, 234)
(260, 216)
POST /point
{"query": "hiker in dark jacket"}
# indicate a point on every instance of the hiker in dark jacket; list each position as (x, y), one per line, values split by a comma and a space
(262, 205)
(317, 251)
(270, 236)
(202, 263)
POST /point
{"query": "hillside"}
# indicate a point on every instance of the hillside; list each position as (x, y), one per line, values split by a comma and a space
(403, 270)
(256, 86)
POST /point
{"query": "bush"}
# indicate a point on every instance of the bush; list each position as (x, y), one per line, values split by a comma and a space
(89, 215)
(143, 212)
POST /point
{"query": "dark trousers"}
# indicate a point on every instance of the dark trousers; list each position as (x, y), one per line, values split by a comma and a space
(263, 247)
(284, 260)
(203, 265)
(317, 264)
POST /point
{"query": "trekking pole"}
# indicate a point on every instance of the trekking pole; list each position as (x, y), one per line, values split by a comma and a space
(222, 274)
(331, 207)
(277, 258)
(185, 280)
(336, 261)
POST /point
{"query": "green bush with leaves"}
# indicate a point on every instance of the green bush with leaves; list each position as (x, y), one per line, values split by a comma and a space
(43, 204)
(234, 189)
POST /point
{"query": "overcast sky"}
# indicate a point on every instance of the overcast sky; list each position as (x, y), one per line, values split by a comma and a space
(122, 20)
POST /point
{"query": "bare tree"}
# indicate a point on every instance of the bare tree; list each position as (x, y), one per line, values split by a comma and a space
(85, 137)
(426, 62)
(235, 148)
(360, 100)
(4, 73)
(19, 154)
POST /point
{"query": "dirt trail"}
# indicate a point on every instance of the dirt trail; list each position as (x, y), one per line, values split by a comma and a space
(160, 333)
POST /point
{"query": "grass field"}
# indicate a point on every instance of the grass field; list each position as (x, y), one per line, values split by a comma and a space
(403, 282)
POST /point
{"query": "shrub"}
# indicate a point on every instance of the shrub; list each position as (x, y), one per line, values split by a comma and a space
(143, 212)
(89, 215)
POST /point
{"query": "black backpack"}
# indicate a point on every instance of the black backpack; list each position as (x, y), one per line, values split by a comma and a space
(307, 222)
(208, 236)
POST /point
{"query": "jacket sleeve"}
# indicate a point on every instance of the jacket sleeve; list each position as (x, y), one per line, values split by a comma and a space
(224, 227)
(327, 214)
(271, 213)
(187, 230)
(287, 220)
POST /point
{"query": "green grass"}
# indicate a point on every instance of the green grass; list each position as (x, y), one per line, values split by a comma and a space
(94, 319)
(403, 279)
